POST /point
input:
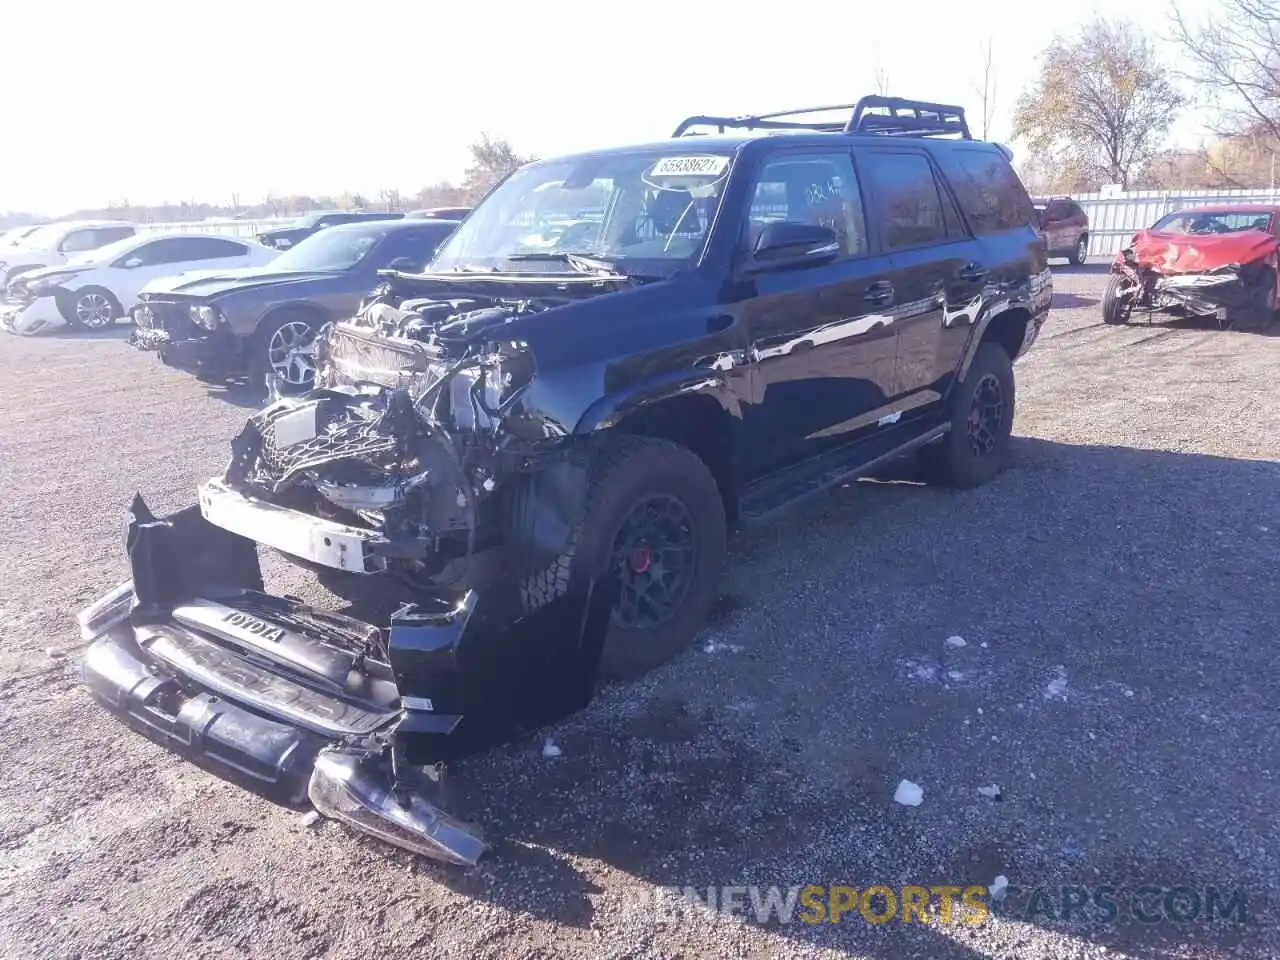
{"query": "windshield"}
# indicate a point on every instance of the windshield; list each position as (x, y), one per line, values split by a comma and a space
(642, 212)
(333, 250)
(43, 238)
(302, 222)
(1200, 222)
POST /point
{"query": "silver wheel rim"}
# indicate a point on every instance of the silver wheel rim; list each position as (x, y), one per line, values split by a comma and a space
(1082, 250)
(287, 353)
(94, 310)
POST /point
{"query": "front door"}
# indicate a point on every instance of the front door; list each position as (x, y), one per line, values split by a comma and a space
(821, 339)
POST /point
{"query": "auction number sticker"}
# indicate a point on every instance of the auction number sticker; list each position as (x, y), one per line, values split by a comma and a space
(705, 166)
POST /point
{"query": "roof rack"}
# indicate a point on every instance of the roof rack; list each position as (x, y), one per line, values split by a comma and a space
(891, 116)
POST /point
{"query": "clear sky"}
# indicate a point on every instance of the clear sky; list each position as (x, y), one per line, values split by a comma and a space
(197, 100)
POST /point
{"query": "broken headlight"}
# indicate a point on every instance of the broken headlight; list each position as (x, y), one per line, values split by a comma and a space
(49, 284)
(206, 317)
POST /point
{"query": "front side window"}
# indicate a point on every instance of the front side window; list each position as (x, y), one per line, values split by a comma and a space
(78, 241)
(645, 212)
(818, 188)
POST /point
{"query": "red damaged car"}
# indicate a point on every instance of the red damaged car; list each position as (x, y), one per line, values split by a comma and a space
(1218, 262)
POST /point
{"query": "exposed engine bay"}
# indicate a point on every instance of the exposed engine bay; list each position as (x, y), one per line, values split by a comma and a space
(409, 433)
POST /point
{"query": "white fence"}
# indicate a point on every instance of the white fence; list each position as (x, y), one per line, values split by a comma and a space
(226, 226)
(1113, 218)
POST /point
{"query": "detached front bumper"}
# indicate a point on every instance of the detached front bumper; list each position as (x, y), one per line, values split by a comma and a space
(217, 353)
(30, 318)
(298, 704)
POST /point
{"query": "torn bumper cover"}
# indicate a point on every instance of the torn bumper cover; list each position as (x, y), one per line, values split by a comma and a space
(298, 704)
(1203, 293)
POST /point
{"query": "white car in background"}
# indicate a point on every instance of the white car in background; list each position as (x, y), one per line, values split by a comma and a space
(56, 243)
(97, 288)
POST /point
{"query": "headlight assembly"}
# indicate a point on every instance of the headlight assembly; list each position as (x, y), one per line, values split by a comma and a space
(50, 284)
(206, 317)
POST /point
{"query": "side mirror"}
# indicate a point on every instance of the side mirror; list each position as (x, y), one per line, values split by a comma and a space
(788, 244)
(404, 265)
(133, 262)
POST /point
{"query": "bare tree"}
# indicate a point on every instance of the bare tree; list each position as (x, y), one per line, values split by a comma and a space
(986, 88)
(390, 198)
(1233, 58)
(881, 78)
(1102, 100)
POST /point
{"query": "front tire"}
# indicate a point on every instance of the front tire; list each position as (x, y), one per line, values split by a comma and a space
(276, 348)
(1116, 306)
(89, 308)
(981, 412)
(655, 515)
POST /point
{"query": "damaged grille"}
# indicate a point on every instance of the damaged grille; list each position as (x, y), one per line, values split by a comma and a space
(344, 436)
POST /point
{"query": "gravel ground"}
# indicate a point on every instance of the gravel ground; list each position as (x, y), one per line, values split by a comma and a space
(1113, 588)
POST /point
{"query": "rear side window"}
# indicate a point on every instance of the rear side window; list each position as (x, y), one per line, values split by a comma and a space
(990, 193)
(210, 248)
(909, 206)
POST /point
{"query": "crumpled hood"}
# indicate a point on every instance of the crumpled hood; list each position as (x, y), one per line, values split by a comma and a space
(211, 283)
(1193, 253)
(61, 270)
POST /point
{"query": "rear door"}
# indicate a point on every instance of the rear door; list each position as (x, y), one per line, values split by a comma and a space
(820, 340)
(938, 273)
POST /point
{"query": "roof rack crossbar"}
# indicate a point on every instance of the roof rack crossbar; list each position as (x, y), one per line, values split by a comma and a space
(892, 116)
(911, 117)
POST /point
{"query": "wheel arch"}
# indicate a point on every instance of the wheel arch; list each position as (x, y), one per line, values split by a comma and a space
(705, 420)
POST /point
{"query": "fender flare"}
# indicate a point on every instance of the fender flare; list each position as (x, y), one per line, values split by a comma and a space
(612, 408)
(989, 312)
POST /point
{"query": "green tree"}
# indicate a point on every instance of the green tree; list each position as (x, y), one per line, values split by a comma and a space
(491, 160)
(1102, 102)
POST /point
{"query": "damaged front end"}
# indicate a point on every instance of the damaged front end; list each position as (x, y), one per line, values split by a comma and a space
(300, 704)
(401, 456)
(403, 459)
(1186, 282)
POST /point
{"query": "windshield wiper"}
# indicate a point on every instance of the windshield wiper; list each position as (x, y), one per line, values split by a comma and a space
(581, 262)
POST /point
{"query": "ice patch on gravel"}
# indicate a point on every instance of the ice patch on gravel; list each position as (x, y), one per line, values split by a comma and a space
(1056, 689)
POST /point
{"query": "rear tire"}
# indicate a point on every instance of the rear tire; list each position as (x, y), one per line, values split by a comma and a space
(1080, 253)
(1262, 310)
(661, 496)
(981, 412)
(1116, 306)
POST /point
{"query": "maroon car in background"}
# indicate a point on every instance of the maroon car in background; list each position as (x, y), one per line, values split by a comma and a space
(1064, 226)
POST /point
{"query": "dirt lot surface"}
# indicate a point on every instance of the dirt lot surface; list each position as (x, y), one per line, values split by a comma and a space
(1114, 588)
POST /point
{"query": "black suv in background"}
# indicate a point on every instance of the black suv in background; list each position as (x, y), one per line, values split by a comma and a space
(284, 237)
(617, 357)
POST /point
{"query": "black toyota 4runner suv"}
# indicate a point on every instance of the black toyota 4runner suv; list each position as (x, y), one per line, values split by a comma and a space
(543, 439)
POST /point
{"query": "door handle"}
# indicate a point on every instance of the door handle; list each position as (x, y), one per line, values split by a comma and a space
(972, 273)
(880, 292)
